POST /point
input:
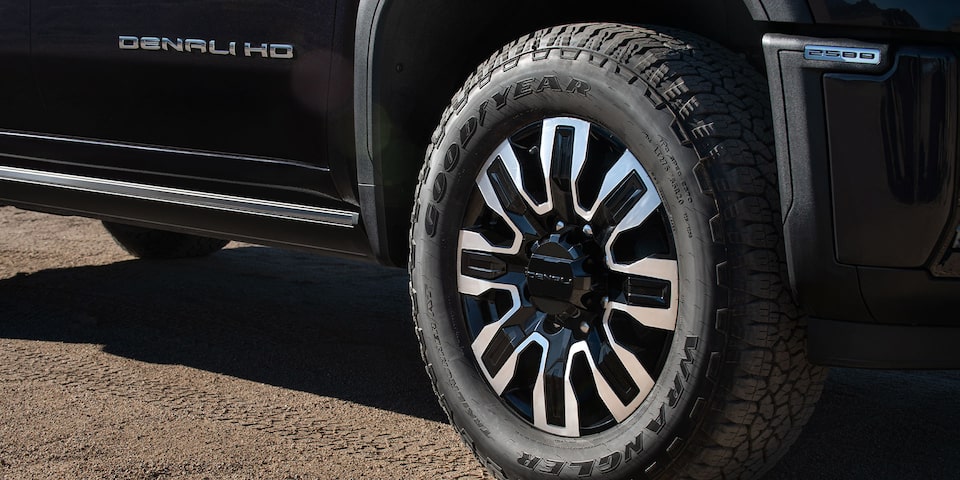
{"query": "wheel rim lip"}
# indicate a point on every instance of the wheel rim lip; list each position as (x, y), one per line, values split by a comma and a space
(604, 314)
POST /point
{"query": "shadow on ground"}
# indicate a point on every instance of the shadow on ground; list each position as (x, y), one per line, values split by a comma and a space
(330, 327)
(342, 329)
(880, 425)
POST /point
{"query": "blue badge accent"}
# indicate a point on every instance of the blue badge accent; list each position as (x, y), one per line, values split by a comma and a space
(870, 56)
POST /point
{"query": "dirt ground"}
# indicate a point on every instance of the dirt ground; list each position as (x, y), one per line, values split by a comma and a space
(262, 363)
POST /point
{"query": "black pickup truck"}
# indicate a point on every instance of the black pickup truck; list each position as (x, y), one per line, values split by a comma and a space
(636, 231)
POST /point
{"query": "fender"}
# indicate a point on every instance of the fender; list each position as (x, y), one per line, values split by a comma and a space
(785, 11)
(402, 87)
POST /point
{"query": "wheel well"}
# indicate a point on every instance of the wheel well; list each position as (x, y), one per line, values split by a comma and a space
(415, 55)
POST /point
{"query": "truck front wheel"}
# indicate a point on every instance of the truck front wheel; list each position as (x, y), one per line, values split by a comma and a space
(597, 266)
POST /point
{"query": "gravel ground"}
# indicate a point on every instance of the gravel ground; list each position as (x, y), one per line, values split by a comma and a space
(262, 363)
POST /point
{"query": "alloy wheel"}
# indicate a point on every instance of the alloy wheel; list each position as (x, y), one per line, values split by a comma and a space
(568, 277)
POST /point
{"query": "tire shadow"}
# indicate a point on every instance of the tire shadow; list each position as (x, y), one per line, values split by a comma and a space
(330, 327)
(880, 425)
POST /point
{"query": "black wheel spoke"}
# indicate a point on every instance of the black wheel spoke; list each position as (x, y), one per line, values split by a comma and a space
(620, 201)
(618, 190)
(649, 294)
(510, 334)
(555, 407)
(483, 265)
(563, 148)
(515, 206)
(502, 192)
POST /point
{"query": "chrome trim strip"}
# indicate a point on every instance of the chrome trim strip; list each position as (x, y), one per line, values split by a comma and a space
(151, 148)
(212, 201)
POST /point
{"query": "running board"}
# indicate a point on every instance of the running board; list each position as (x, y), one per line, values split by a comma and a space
(187, 198)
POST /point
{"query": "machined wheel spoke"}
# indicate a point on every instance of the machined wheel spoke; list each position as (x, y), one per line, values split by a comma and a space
(563, 151)
(482, 265)
(475, 287)
(474, 240)
(658, 281)
(555, 407)
(643, 209)
(507, 158)
(499, 345)
(501, 186)
(621, 187)
(518, 206)
(641, 382)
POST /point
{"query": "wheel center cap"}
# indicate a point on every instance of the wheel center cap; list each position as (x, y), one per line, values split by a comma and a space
(556, 277)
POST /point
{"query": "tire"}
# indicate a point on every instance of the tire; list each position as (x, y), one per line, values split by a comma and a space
(153, 244)
(645, 280)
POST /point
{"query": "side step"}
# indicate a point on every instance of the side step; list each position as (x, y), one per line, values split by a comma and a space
(181, 197)
(224, 216)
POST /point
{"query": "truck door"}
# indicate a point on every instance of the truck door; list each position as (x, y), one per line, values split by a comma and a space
(225, 96)
(17, 91)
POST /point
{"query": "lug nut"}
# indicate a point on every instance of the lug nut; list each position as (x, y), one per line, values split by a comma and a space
(560, 226)
(584, 327)
(588, 230)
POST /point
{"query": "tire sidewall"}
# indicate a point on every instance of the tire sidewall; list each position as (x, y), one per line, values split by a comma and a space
(479, 122)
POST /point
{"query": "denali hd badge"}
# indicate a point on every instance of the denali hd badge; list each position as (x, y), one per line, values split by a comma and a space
(211, 47)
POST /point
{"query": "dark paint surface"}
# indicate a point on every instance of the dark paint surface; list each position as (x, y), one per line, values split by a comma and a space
(17, 94)
(936, 15)
(264, 107)
(250, 177)
(893, 158)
